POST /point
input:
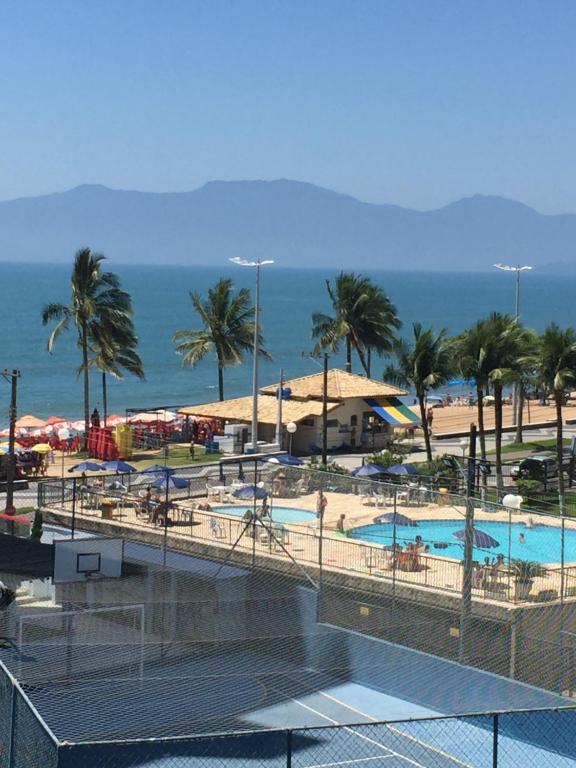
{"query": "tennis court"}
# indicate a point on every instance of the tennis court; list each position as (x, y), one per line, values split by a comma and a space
(200, 663)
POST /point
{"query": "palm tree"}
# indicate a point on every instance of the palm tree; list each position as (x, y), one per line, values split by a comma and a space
(364, 319)
(114, 351)
(228, 329)
(423, 364)
(96, 299)
(555, 363)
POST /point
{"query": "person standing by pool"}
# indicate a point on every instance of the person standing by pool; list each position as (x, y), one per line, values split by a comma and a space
(321, 504)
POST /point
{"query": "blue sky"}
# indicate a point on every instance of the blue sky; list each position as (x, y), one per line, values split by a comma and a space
(414, 102)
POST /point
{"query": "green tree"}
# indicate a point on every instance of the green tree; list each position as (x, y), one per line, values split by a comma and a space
(364, 319)
(228, 329)
(554, 361)
(96, 300)
(424, 363)
(114, 351)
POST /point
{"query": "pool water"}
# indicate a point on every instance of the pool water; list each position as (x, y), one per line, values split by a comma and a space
(279, 514)
(541, 543)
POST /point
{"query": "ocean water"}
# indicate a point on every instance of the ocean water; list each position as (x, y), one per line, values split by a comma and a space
(49, 384)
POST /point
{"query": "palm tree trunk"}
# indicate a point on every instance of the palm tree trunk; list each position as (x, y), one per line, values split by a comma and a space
(480, 407)
(498, 433)
(369, 362)
(348, 354)
(220, 382)
(559, 449)
(520, 412)
(84, 342)
(104, 397)
(424, 420)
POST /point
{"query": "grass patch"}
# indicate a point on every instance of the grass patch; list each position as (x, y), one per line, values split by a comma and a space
(535, 446)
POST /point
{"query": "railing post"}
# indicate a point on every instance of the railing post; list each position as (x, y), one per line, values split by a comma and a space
(495, 741)
(11, 745)
(288, 749)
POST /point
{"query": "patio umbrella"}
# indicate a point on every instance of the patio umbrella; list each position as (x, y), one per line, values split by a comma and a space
(395, 518)
(401, 469)
(42, 448)
(285, 459)
(159, 469)
(367, 470)
(250, 492)
(52, 420)
(86, 466)
(174, 483)
(118, 466)
(29, 422)
(479, 538)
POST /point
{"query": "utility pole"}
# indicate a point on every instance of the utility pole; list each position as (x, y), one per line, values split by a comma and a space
(326, 357)
(325, 411)
(13, 377)
(466, 601)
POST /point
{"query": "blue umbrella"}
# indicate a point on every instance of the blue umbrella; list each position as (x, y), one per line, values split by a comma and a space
(479, 538)
(250, 492)
(395, 518)
(174, 483)
(159, 469)
(285, 459)
(366, 470)
(401, 469)
(118, 466)
(87, 466)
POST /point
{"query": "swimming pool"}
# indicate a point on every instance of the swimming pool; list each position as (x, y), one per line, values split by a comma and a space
(541, 543)
(279, 514)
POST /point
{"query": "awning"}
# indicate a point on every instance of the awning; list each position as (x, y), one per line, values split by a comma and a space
(393, 411)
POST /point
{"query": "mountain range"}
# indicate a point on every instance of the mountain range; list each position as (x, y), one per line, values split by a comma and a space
(296, 223)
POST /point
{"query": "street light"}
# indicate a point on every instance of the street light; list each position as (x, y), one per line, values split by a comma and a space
(517, 268)
(291, 428)
(259, 263)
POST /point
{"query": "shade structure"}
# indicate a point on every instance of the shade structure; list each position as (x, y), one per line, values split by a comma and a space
(52, 420)
(174, 483)
(479, 538)
(118, 466)
(151, 417)
(395, 518)
(286, 459)
(250, 492)
(29, 422)
(160, 469)
(393, 411)
(42, 448)
(401, 469)
(367, 470)
(86, 466)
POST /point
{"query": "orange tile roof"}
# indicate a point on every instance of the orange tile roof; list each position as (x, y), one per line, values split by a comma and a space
(240, 409)
(341, 385)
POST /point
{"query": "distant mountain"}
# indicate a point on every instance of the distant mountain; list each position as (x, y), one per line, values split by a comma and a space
(298, 224)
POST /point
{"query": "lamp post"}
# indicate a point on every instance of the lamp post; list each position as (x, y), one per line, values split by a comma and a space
(517, 269)
(259, 263)
(291, 427)
(63, 436)
(516, 399)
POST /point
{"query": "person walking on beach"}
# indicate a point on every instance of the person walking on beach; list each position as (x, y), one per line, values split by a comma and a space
(191, 449)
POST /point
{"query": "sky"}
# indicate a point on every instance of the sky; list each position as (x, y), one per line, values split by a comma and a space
(412, 102)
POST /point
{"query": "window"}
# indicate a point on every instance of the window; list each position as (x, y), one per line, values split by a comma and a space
(354, 421)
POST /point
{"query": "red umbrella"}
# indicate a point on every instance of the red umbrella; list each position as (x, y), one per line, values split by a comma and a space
(54, 420)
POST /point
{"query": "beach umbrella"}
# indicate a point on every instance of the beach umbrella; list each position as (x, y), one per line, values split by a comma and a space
(86, 466)
(42, 448)
(401, 469)
(118, 466)
(78, 426)
(367, 470)
(52, 420)
(250, 492)
(286, 459)
(29, 422)
(159, 469)
(395, 518)
(174, 483)
(479, 538)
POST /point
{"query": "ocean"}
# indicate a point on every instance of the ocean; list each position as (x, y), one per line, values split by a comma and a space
(49, 384)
